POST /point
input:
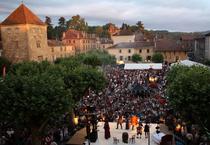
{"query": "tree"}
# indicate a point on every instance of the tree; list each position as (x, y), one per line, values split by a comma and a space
(136, 58)
(77, 23)
(157, 58)
(84, 78)
(62, 27)
(50, 29)
(189, 96)
(32, 94)
(92, 60)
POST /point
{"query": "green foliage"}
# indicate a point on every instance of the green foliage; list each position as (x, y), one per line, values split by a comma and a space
(50, 29)
(189, 93)
(103, 56)
(84, 78)
(77, 23)
(157, 58)
(136, 58)
(92, 60)
(33, 93)
(207, 62)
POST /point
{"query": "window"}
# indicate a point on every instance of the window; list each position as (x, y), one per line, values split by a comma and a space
(9, 30)
(61, 48)
(52, 49)
(129, 51)
(40, 58)
(120, 51)
(147, 50)
(16, 30)
(177, 58)
(73, 41)
(38, 44)
(121, 57)
(140, 51)
(16, 44)
(129, 58)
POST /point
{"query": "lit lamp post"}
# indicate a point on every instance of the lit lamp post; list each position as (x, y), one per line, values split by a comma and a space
(152, 79)
(76, 120)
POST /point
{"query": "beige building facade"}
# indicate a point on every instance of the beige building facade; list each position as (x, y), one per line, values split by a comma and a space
(125, 51)
(82, 41)
(171, 50)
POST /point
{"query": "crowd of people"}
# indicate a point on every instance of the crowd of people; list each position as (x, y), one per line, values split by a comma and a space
(130, 92)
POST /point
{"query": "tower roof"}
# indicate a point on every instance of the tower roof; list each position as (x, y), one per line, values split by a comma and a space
(22, 15)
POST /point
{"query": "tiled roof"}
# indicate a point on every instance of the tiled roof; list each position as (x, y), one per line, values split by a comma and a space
(124, 32)
(22, 15)
(72, 34)
(187, 37)
(133, 44)
(169, 45)
(55, 43)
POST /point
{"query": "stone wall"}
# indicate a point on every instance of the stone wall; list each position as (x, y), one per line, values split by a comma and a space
(15, 42)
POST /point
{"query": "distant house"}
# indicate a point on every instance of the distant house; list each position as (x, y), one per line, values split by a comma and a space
(124, 35)
(124, 51)
(202, 48)
(172, 50)
(82, 41)
(199, 49)
(207, 46)
(105, 43)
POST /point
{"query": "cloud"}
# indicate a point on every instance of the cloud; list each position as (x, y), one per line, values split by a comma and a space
(175, 15)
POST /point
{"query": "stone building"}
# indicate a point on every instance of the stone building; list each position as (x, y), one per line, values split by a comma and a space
(24, 37)
(82, 41)
(207, 46)
(58, 49)
(124, 35)
(124, 51)
(171, 50)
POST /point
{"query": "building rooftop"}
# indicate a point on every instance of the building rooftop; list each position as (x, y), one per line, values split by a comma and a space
(133, 44)
(55, 43)
(124, 32)
(75, 34)
(22, 15)
(169, 45)
(187, 37)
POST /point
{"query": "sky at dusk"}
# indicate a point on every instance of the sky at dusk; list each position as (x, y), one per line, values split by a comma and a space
(173, 15)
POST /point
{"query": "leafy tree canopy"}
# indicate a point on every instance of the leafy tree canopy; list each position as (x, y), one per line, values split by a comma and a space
(157, 58)
(189, 93)
(136, 58)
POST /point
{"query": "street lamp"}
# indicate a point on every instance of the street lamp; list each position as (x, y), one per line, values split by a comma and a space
(153, 79)
(76, 120)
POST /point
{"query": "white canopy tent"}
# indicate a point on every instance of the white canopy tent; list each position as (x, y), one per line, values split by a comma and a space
(143, 66)
(188, 63)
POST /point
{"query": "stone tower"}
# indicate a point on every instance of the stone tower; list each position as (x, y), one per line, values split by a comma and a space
(24, 36)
